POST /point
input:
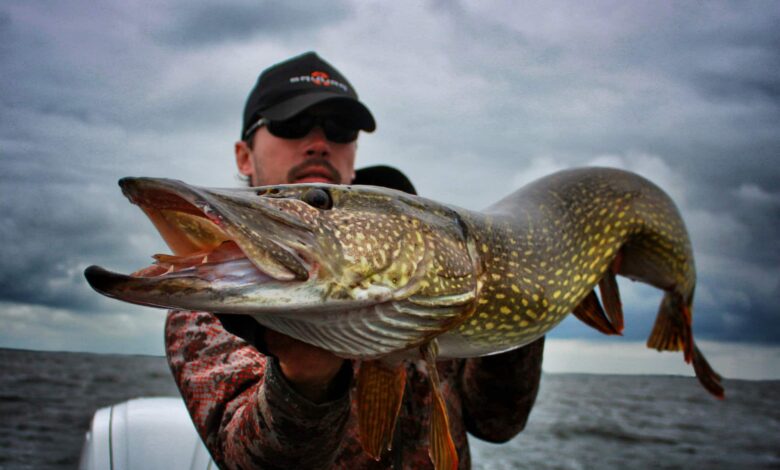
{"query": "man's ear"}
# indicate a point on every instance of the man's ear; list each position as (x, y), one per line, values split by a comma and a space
(244, 160)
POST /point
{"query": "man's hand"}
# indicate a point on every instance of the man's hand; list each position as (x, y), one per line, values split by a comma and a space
(309, 369)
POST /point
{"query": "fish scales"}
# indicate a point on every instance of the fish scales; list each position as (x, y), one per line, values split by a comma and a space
(514, 270)
(545, 249)
(383, 276)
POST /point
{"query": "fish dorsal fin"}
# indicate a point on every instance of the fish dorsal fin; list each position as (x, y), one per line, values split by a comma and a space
(591, 313)
(380, 389)
(672, 329)
(610, 295)
(441, 447)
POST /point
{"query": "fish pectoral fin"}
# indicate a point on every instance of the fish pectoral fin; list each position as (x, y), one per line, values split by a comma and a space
(380, 390)
(610, 295)
(441, 446)
(591, 313)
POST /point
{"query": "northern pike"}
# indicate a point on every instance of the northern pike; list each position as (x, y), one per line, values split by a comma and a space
(379, 275)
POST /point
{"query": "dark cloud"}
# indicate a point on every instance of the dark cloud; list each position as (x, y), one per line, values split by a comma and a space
(52, 230)
(762, 87)
(471, 98)
(731, 319)
(738, 61)
(207, 23)
(697, 86)
(757, 323)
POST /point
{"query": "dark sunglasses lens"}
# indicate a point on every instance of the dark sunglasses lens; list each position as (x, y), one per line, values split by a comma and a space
(336, 130)
(339, 131)
(293, 128)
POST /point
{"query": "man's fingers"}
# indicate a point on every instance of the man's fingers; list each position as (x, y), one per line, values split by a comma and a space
(302, 363)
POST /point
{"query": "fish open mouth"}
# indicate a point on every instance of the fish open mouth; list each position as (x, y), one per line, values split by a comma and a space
(264, 252)
(206, 241)
(225, 262)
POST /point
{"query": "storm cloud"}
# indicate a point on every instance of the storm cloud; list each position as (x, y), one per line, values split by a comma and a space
(472, 101)
(197, 24)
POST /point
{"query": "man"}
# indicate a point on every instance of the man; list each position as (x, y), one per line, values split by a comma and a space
(265, 400)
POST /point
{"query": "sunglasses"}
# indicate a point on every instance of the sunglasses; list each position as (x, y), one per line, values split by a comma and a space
(336, 129)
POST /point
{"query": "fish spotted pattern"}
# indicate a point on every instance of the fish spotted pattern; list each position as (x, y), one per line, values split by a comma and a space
(375, 274)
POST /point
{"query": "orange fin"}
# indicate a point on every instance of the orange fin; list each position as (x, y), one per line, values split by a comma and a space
(442, 449)
(672, 329)
(672, 332)
(706, 375)
(591, 313)
(379, 393)
(610, 295)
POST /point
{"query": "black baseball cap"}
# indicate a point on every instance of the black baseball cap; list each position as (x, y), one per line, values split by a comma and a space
(385, 176)
(287, 88)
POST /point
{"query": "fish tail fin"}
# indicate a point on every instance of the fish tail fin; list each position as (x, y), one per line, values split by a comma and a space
(441, 449)
(672, 332)
(379, 393)
(706, 375)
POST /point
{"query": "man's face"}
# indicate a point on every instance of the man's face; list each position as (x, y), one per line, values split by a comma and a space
(309, 159)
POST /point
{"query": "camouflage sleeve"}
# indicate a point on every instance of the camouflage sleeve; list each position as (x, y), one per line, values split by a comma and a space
(499, 391)
(242, 406)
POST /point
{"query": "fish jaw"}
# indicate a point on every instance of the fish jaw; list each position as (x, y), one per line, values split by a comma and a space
(254, 293)
(303, 258)
(379, 273)
(220, 263)
(192, 219)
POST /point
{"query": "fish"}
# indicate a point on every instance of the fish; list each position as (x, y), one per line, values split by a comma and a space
(383, 276)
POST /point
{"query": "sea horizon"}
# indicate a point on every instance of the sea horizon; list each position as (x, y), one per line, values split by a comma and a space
(732, 360)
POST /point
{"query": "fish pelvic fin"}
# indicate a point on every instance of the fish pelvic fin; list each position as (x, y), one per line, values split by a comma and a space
(591, 313)
(610, 295)
(672, 332)
(441, 448)
(380, 390)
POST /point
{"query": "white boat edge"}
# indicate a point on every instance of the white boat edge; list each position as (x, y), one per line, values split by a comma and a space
(144, 433)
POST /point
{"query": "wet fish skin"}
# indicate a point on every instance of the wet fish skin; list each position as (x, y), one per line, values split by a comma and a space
(379, 272)
(546, 246)
(380, 275)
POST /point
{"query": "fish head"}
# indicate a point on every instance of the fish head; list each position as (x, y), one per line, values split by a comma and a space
(294, 248)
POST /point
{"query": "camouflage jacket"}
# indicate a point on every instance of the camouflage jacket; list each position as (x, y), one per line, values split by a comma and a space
(250, 417)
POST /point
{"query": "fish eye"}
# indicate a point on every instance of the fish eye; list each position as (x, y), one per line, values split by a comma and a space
(318, 198)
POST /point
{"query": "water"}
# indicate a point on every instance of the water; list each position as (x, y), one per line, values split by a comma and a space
(659, 422)
(47, 401)
(580, 421)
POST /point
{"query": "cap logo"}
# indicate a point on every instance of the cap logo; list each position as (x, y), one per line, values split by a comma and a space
(319, 79)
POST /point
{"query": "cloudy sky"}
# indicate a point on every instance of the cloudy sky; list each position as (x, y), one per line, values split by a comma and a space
(472, 100)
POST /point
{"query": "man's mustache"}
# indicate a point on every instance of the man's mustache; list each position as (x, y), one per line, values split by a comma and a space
(304, 168)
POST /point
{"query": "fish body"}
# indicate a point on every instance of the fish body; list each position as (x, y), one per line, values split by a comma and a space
(379, 275)
(544, 248)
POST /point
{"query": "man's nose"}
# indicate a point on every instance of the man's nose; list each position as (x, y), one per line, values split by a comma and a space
(317, 145)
